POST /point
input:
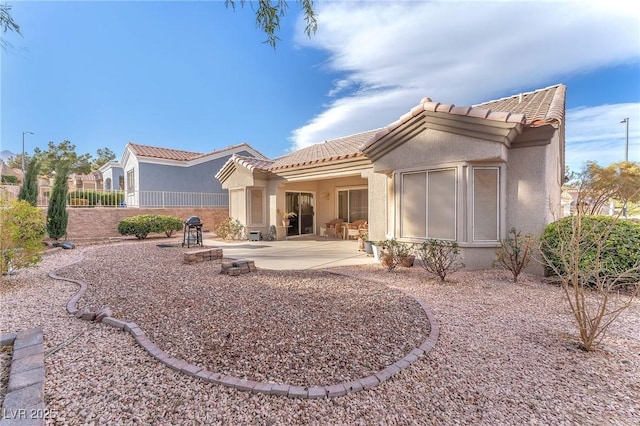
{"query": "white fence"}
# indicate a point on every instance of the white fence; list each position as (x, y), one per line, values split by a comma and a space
(99, 198)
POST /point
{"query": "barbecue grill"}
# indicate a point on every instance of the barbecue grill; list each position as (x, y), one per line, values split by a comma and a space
(192, 232)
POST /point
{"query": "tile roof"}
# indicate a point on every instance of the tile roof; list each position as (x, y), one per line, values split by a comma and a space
(164, 153)
(535, 108)
(541, 106)
(252, 163)
(334, 149)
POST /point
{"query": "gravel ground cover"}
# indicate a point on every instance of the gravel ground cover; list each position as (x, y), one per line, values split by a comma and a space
(506, 355)
(299, 328)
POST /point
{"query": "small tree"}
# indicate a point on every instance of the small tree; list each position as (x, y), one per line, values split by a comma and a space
(514, 253)
(29, 188)
(439, 257)
(57, 216)
(598, 268)
(23, 227)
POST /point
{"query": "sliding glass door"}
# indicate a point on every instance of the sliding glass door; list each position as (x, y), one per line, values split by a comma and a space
(302, 204)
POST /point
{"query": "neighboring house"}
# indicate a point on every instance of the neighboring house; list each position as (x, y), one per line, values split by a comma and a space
(162, 177)
(111, 177)
(464, 174)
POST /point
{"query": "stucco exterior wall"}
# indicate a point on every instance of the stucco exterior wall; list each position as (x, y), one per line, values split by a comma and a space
(432, 147)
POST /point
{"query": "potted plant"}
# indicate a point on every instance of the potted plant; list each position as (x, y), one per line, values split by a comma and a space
(287, 216)
(362, 238)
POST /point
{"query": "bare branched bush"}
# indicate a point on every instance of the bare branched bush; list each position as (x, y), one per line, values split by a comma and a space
(514, 253)
(598, 275)
(439, 257)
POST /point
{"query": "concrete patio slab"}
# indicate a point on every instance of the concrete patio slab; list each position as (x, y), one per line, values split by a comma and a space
(294, 253)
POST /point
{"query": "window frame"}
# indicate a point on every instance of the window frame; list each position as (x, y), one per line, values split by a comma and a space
(348, 189)
(131, 181)
(263, 206)
(456, 198)
(472, 205)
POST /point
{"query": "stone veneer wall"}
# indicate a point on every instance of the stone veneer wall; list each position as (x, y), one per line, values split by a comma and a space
(100, 222)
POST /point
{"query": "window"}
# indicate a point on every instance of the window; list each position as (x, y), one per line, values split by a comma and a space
(428, 205)
(257, 206)
(486, 204)
(131, 183)
(353, 204)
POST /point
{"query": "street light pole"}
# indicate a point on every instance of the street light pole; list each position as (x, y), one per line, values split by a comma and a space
(24, 133)
(626, 159)
(626, 145)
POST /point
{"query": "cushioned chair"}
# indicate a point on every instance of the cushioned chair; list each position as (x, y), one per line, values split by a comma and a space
(354, 228)
(334, 228)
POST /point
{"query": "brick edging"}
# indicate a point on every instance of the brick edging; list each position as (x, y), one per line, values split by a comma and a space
(24, 401)
(291, 391)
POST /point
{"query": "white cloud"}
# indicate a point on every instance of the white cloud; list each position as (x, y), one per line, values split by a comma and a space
(392, 54)
(597, 134)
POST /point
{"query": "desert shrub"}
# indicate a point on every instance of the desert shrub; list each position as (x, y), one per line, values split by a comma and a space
(229, 228)
(393, 253)
(514, 253)
(91, 198)
(613, 243)
(597, 261)
(439, 257)
(144, 224)
(23, 227)
(169, 224)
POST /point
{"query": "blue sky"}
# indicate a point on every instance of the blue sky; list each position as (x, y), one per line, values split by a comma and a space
(196, 75)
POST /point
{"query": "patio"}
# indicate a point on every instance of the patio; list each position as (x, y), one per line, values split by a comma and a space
(295, 253)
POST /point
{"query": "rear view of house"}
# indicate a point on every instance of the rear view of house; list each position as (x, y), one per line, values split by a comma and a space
(464, 174)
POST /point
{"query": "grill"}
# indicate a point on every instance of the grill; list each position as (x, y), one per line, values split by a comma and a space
(192, 232)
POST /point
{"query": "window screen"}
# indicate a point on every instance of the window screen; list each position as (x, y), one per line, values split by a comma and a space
(257, 207)
(485, 204)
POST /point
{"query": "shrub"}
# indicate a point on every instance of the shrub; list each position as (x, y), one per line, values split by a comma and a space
(23, 227)
(594, 258)
(611, 242)
(229, 228)
(57, 215)
(440, 257)
(9, 180)
(111, 198)
(144, 224)
(29, 188)
(514, 253)
(393, 253)
(91, 198)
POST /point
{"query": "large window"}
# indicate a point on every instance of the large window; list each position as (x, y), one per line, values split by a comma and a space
(353, 204)
(131, 183)
(256, 206)
(428, 205)
(485, 203)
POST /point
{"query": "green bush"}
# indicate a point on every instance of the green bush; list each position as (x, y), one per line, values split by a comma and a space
(23, 227)
(111, 198)
(440, 257)
(393, 253)
(9, 180)
(615, 243)
(229, 228)
(142, 225)
(92, 198)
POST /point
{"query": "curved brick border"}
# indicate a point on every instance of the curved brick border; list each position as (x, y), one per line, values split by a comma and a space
(329, 391)
(24, 401)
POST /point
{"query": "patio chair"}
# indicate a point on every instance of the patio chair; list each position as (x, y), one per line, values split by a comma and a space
(354, 228)
(334, 228)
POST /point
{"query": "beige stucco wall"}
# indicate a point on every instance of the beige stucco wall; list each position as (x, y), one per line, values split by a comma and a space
(241, 177)
(432, 147)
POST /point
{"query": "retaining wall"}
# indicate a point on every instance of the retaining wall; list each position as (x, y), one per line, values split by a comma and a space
(101, 222)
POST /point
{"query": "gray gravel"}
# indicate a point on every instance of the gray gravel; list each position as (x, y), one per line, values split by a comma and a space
(506, 355)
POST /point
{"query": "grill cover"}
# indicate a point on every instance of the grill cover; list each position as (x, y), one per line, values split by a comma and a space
(193, 221)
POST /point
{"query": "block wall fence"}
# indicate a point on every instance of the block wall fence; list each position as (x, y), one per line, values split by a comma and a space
(99, 222)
